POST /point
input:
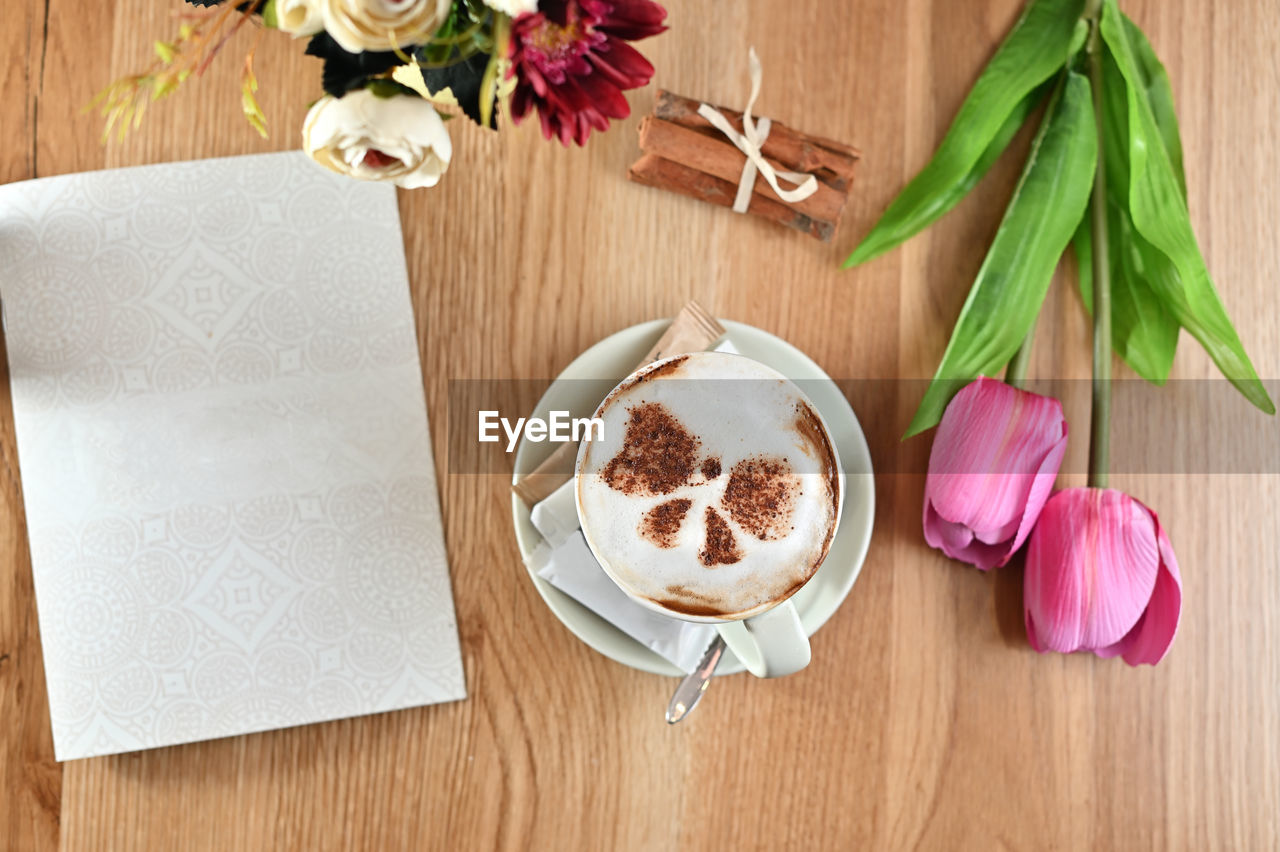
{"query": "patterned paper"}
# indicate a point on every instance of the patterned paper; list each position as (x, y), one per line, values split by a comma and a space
(222, 436)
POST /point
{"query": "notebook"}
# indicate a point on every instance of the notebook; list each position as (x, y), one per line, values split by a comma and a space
(223, 443)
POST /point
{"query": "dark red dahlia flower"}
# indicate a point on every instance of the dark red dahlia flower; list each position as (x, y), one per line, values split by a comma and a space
(571, 60)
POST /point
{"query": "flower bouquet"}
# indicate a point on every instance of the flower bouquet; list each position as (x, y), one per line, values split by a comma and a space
(395, 69)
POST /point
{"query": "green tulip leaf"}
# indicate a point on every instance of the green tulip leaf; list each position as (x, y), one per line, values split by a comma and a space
(1159, 96)
(1159, 214)
(1143, 332)
(1006, 93)
(1082, 245)
(1005, 298)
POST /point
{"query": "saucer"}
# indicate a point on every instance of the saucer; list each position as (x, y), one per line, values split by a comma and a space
(613, 359)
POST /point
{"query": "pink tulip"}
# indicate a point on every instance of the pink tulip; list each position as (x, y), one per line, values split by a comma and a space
(993, 463)
(1101, 577)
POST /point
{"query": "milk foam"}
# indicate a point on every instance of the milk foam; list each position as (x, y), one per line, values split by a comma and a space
(745, 416)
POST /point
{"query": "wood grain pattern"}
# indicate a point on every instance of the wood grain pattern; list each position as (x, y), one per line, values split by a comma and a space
(924, 721)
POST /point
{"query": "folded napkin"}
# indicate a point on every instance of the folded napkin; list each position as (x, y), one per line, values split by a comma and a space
(566, 562)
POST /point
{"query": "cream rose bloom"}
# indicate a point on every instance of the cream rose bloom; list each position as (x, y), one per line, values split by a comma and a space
(360, 25)
(401, 139)
(299, 17)
(513, 8)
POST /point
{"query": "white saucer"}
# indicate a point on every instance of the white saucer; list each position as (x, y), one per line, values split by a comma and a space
(613, 359)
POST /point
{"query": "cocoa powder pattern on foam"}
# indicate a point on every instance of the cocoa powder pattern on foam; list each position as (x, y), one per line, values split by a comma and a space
(661, 524)
(659, 455)
(721, 548)
(761, 496)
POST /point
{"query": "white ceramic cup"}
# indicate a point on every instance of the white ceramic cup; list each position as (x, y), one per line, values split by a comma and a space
(766, 636)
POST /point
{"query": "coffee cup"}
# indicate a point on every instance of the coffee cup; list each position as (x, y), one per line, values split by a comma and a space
(713, 496)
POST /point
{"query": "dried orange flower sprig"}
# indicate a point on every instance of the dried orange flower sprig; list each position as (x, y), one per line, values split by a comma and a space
(201, 36)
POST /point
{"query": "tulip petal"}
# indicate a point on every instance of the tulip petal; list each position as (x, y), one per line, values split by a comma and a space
(1126, 561)
(1003, 535)
(1149, 641)
(992, 466)
(957, 541)
(1041, 487)
(1053, 600)
(954, 537)
(1033, 638)
(1092, 566)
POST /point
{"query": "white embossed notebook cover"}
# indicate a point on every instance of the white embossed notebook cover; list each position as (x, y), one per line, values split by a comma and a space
(222, 437)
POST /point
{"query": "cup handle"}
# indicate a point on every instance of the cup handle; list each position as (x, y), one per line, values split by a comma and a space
(771, 644)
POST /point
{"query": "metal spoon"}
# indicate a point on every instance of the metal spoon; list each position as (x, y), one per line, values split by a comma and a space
(690, 690)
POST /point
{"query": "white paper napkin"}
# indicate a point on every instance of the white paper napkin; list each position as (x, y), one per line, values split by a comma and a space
(566, 562)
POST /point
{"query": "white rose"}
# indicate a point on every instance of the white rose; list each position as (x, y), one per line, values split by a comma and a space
(299, 17)
(360, 25)
(513, 8)
(401, 139)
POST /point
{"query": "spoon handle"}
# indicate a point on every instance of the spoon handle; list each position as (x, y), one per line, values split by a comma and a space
(695, 683)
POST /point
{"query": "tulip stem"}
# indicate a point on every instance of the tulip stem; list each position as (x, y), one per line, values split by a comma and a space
(1100, 427)
(1016, 373)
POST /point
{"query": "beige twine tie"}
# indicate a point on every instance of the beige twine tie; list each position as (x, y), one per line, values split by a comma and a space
(749, 142)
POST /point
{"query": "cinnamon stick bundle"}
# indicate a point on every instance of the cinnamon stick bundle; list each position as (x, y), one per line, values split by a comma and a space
(685, 154)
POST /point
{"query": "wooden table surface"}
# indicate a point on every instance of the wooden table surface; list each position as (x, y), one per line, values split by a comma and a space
(925, 721)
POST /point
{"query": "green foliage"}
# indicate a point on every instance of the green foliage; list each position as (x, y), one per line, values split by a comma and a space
(1142, 330)
(1159, 281)
(1049, 200)
(1004, 96)
(1158, 207)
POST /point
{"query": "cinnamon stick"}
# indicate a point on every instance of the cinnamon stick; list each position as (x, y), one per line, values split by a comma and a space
(652, 170)
(723, 160)
(799, 151)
